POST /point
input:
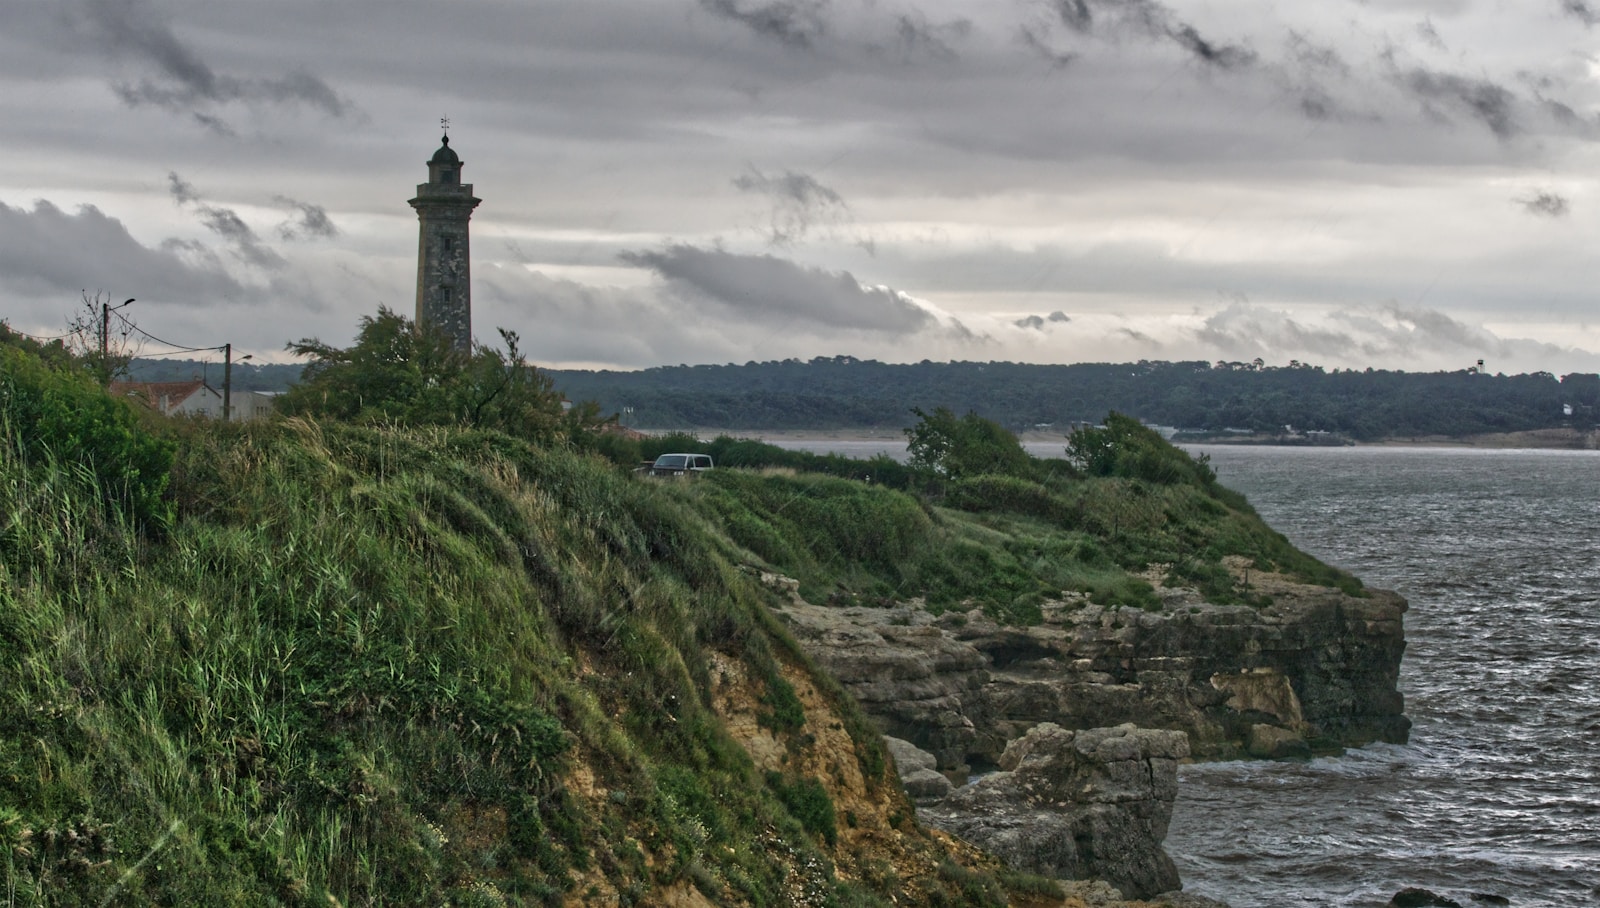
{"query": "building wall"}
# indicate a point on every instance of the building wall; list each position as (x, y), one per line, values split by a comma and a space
(207, 401)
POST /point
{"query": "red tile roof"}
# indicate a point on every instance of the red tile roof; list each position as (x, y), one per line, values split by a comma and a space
(151, 393)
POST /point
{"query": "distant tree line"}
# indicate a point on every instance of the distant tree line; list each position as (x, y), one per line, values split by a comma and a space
(247, 376)
(844, 392)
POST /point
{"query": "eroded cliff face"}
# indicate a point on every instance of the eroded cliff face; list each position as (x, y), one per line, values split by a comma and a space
(1314, 671)
(1076, 805)
(1075, 727)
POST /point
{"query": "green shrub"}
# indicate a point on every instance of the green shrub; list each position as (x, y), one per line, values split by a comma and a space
(60, 414)
(970, 445)
(1126, 448)
(1011, 494)
(808, 802)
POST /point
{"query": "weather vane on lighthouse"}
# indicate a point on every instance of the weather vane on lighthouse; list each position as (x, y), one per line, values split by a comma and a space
(444, 123)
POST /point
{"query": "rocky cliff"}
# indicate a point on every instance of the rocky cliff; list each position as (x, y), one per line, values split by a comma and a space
(1076, 805)
(1311, 670)
(1086, 715)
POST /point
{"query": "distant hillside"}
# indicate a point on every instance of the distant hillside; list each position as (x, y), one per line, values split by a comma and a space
(247, 376)
(843, 392)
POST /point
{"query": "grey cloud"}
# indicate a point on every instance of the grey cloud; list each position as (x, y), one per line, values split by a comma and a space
(1037, 322)
(1317, 104)
(307, 220)
(1311, 56)
(1414, 329)
(1246, 331)
(1545, 204)
(1150, 19)
(568, 322)
(182, 191)
(779, 291)
(798, 201)
(1308, 68)
(226, 223)
(1430, 35)
(214, 124)
(1483, 100)
(1222, 56)
(47, 252)
(918, 37)
(1386, 333)
(1562, 113)
(132, 29)
(1075, 14)
(1035, 42)
(1582, 11)
(794, 23)
(1145, 16)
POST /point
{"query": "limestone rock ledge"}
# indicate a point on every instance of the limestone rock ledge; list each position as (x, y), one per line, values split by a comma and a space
(1314, 671)
(1091, 804)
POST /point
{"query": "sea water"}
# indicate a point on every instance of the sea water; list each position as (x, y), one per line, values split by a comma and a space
(1498, 791)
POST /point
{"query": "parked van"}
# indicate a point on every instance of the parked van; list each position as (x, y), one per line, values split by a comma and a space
(680, 464)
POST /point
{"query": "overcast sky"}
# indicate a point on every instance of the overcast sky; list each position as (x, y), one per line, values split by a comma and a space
(1388, 183)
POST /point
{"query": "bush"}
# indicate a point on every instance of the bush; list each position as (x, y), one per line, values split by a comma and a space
(1128, 449)
(968, 446)
(398, 371)
(60, 414)
(808, 802)
(1008, 493)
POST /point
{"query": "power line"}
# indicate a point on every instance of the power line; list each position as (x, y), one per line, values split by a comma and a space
(143, 355)
(35, 337)
(178, 348)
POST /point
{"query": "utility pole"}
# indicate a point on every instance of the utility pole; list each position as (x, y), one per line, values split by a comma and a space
(227, 382)
(227, 379)
(105, 334)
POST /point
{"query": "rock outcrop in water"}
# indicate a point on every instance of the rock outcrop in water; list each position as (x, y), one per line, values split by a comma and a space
(1076, 805)
(1088, 714)
(1315, 670)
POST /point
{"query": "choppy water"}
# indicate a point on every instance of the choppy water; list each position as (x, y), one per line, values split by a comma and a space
(1499, 790)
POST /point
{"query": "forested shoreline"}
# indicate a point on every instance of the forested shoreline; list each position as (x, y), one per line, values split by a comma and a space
(847, 393)
(842, 392)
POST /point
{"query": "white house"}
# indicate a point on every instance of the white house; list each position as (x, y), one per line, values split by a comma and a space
(173, 398)
(194, 398)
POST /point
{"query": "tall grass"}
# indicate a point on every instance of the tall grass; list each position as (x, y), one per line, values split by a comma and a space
(1004, 544)
(361, 666)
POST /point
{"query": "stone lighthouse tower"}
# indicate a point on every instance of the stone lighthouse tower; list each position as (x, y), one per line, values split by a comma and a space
(444, 262)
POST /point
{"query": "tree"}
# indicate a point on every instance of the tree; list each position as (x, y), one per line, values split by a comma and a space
(103, 349)
(1127, 448)
(401, 372)
(966, 446)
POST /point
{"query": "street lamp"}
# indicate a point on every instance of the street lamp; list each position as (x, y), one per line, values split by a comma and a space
(105, 333)
(227, 379)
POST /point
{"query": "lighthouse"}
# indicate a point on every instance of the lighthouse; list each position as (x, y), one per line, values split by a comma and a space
(444, 259)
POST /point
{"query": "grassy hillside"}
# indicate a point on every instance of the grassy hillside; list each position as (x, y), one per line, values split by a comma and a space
(989, 526)
(371, 666)
(311, 663)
